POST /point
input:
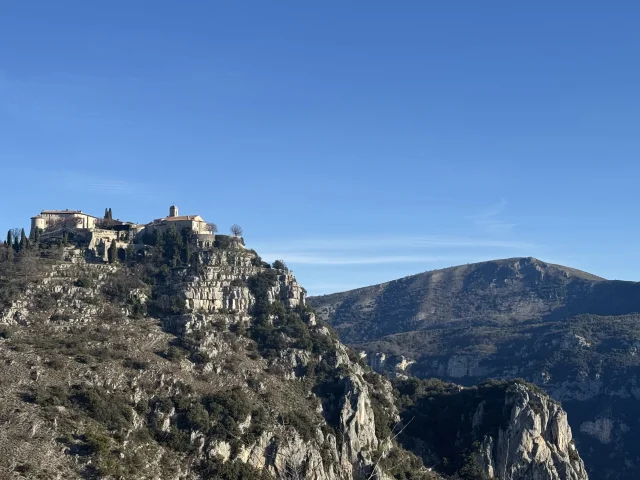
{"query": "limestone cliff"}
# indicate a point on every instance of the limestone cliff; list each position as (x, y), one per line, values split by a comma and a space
(534, 444)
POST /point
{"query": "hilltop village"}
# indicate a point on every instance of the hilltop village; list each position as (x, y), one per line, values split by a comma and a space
(100, 235)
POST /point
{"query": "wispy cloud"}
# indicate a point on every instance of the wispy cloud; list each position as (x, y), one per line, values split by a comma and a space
(343, 259)
(85, 182)
(97, 184)
(489, 219)
(380, 250)
(387, 242)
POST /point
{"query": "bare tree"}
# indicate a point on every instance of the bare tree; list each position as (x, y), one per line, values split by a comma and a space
(212, 227)
(67, 222)
(15, 233)
(236, 230)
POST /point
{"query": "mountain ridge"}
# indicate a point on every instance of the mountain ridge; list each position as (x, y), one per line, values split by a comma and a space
(574, 271)
(572, 333)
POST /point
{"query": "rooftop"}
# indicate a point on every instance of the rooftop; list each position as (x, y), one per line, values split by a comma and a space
(183, 217)
(65, 212)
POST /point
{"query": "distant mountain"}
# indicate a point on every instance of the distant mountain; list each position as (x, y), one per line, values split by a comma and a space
(571, 332)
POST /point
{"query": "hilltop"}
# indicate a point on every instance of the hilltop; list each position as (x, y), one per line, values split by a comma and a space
(572, 333)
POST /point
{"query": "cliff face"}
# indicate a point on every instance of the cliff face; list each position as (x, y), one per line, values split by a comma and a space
(534, 444)
(215, 369)
(569, 332)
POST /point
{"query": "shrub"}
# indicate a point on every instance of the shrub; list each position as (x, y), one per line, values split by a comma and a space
(280, 265)
(216, 469)
(136, 364)
(226, 410)
(200, 357)
(167, 305)
(84, 282)
(174, 353)
(222, 242)
(110, 409)
(196, 417)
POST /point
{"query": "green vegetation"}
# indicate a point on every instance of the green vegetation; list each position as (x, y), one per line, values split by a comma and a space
(438, 418)
(215, 469)
(216, 415)
(112, 254)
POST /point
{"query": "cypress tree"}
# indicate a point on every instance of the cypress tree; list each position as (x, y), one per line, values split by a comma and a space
(106, 213)
(10, 238)
(110, 214)
(112, 254)
(24, 242)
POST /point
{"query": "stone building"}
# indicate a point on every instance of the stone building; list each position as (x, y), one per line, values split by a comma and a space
(98, 233)
(192, 222)
(51, 219)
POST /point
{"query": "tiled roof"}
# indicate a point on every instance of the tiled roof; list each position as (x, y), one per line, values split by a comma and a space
(183, 217)
(63, 212)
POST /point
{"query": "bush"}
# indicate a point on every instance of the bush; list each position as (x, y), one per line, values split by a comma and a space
(227, 410)
(167, 305)
(110, 409)
(280, 265)
(174, 353)
(136, 364)
(222, 242)
(216, 469)
(196, 417)
(54, 395)
(84, 282)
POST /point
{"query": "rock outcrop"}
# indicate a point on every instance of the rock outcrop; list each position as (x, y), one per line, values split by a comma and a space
(534, 444)
(220, 284)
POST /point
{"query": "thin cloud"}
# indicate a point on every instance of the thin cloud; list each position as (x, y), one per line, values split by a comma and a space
(338, 243)
(388, 249)
(489, 219)
(336, 259)
(87, 182)
(104, 186)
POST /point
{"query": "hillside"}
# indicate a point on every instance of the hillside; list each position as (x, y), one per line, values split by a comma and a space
(186, 362)
(570, 332)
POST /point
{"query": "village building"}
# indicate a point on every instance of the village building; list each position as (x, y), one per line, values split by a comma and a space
(99, 233)
(191, 222)
(195, 223)
(52, 219)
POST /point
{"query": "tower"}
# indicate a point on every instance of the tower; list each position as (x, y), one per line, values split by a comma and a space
(173, 211)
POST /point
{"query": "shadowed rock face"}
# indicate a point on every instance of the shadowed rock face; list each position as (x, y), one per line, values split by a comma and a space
(575, 334)
(536, 443)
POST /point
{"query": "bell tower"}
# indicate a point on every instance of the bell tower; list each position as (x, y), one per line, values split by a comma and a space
(173, 211)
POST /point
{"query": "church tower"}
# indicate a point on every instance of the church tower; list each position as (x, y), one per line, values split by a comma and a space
(173, 211)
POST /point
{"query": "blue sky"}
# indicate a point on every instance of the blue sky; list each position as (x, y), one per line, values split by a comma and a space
(360, 141)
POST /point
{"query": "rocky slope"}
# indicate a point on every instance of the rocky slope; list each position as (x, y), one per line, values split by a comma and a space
(510, 430)
(218, 369)
(572, 333)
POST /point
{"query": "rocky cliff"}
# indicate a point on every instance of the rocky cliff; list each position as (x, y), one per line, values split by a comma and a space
(572, 333)
(214, 368)
(535, 443)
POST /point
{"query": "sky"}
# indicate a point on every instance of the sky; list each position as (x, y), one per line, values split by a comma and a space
(359, 141)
